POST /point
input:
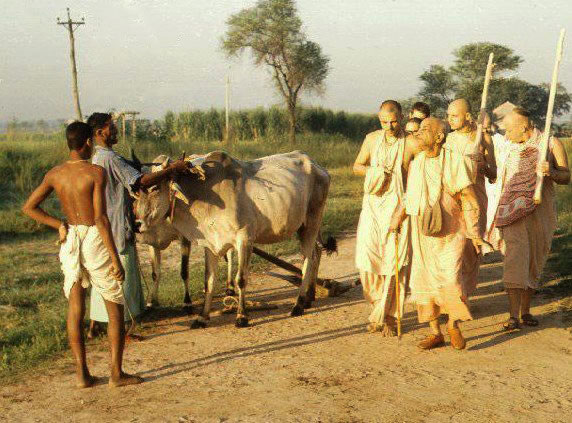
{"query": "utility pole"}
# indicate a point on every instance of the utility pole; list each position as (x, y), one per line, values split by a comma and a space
(227, 107)
(71, 26)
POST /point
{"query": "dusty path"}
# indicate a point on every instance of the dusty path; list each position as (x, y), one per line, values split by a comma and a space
(322, 367)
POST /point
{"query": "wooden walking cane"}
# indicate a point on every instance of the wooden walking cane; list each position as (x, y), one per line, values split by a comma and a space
(543, 149)
(482, 111)
(397, 296)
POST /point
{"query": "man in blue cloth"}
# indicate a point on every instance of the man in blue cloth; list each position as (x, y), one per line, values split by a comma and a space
(122, 180)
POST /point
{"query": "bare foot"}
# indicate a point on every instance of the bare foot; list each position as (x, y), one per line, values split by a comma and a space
(124, 379)
(86, 382)
(373, 328)
(388, 331)
(134, 338)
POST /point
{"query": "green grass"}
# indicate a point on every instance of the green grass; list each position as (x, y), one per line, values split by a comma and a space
(32, 305)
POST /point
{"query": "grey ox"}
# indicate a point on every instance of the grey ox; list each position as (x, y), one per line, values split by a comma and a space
(158, 238)
(241, 203)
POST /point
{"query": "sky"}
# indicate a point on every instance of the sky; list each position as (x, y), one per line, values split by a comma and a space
(155, 56)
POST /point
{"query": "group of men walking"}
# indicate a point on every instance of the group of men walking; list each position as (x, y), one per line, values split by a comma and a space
(423, 226)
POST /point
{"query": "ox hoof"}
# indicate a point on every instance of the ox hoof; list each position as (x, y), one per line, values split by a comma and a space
(230, 292)
(307, 304)
(188, 308)
(241, 322)
(198, 324)
(298, 310)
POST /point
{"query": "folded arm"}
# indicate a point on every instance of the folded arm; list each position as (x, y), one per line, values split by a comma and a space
(31, 207)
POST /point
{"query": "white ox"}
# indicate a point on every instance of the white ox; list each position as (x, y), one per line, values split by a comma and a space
(240, 203)
(158, 238)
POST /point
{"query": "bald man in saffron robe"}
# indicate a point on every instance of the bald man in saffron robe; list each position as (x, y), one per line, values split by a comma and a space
(526, 228)
(380, 162)
(438, 285)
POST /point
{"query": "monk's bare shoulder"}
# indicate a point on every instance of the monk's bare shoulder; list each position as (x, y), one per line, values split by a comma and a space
(370, 138)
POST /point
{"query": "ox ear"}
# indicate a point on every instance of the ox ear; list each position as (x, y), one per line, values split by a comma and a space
(165, 163)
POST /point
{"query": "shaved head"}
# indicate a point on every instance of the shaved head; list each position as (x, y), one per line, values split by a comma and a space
(459, 114)
(432, 132)
(461, 105)
(517, 125)
(390, 117)
(391, 106)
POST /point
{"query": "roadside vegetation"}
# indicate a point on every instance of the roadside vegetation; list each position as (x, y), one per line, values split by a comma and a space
(32, 305)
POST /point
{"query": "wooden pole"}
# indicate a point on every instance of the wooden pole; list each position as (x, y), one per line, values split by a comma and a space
(227, 109)
(123, 128)
(482, 111)
(133, 127)
(71, 26)
(397, 294)
(543, 149)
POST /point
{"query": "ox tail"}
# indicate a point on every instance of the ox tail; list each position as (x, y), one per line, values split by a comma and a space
(331, 244)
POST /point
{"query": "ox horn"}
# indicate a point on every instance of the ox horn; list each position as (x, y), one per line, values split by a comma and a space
(135, 160)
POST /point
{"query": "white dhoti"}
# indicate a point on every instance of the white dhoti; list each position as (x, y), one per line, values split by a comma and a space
(375, 245)
(85, 259)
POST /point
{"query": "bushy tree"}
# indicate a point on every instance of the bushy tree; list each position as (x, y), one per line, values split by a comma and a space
(465, 78)
(272, 31)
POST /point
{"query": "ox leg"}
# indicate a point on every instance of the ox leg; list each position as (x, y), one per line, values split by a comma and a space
(210, 278)
(155, 253)
(311, 293)
(185, 253)
(243, 258)
(229, 280)
(307, 288)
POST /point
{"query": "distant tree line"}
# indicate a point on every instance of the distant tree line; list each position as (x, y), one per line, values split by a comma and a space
(464, 79)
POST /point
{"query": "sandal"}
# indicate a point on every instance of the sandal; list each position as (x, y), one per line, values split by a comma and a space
(529, 320)
(511, 324)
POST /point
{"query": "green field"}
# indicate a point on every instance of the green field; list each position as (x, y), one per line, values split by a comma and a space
(32, 305)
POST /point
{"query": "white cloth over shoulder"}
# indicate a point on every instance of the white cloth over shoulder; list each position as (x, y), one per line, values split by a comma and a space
(384, 191)
(85, 259)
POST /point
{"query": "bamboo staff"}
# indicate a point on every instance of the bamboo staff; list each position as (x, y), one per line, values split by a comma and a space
(482, 111)
(397, 296)
(543, 149)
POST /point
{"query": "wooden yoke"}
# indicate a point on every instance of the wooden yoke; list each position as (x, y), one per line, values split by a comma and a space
(543, 149)
(482, 111)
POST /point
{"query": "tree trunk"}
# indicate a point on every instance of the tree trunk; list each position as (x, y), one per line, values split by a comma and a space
(292, 130)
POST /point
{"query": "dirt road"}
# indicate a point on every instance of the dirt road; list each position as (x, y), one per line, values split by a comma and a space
(322, 367)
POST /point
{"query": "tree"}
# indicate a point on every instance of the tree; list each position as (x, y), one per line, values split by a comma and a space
(464, 79)
(272, 31)
(439, 88)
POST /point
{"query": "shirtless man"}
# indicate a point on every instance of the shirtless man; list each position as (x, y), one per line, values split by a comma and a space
(88, 254)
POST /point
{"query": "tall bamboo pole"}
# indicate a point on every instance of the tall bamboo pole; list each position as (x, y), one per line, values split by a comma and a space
(543, 150)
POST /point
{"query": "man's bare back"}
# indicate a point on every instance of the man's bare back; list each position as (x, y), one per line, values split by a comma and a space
(80, 188)
(75, 184)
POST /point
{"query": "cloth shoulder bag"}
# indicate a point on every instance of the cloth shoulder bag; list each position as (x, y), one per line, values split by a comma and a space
(432, 215)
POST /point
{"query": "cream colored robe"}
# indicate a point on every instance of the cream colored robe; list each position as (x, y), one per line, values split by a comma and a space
(375, 246)
(85, 259)
(442, 266)
(526, 230)
(464, 144)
